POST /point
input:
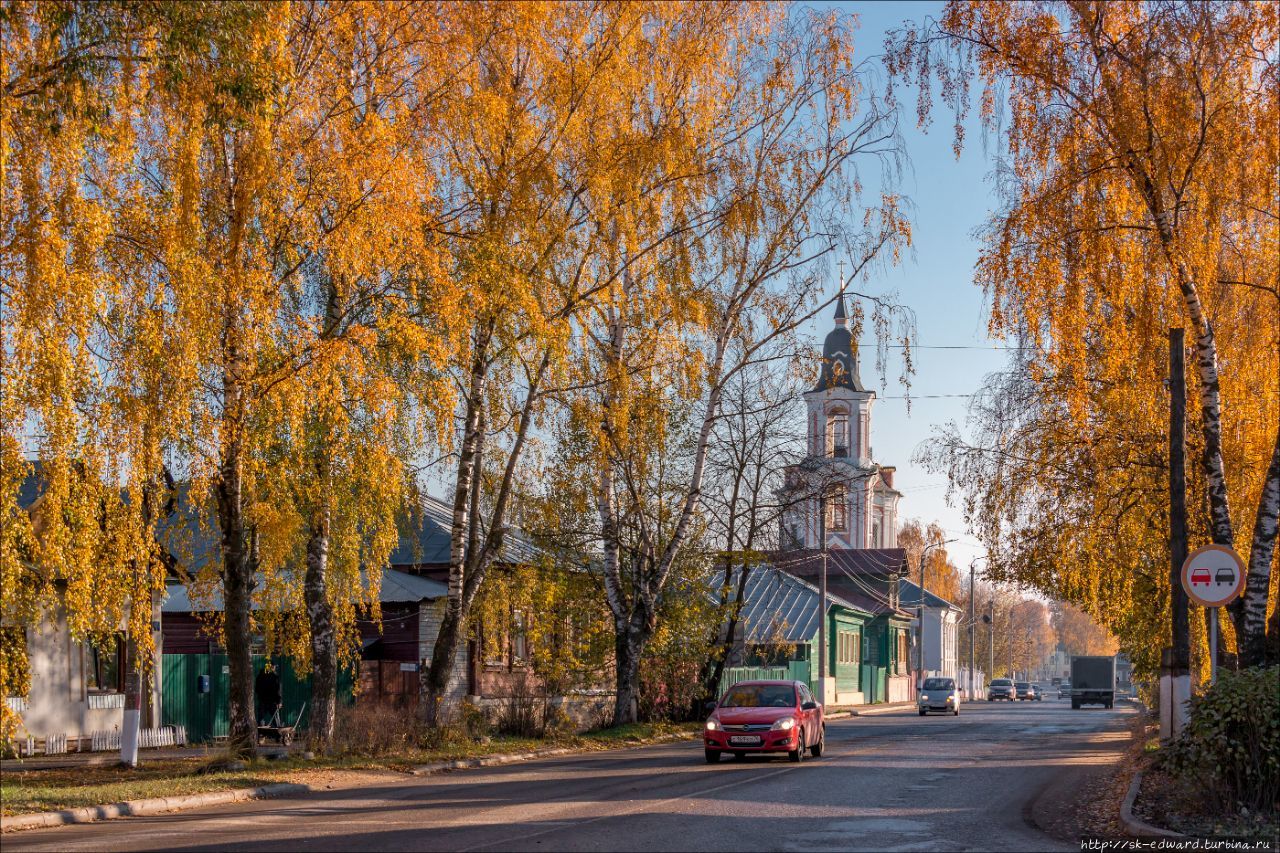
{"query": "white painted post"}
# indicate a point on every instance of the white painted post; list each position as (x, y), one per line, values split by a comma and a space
(1213, 645)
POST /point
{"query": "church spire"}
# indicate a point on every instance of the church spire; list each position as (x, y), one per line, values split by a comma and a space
(839, 360)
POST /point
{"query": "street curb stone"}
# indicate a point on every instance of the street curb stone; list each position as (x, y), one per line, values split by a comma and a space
(1132, 825)
(155, 805)
(517, 757)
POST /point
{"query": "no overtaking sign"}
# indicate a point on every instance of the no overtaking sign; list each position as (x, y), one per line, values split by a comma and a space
(1213, 575)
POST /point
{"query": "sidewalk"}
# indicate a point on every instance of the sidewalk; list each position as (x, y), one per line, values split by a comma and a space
(839, 711)
(109, 758)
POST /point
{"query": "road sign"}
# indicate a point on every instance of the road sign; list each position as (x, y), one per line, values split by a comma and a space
(1213, 575)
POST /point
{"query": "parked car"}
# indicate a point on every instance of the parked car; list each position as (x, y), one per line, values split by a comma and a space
(763, 717)
(1064, 689)
(1023, 690)
(939, 694)
(1000, 688)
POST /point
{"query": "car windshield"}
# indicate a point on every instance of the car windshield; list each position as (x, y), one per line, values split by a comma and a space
(1022, 685)
(760, 696)
(938, 684)
(1001, 682)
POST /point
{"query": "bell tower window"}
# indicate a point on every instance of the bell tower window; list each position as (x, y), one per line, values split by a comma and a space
(838, 511)
(838, 433)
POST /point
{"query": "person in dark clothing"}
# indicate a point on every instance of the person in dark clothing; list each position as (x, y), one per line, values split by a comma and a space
(267, 691)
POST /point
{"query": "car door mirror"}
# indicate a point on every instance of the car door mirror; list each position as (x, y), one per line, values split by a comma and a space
(809, 706)
(709, 705)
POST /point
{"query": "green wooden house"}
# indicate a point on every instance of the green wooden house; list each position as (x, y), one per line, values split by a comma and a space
(777, 637)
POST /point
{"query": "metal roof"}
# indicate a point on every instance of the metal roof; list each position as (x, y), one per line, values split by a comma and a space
(425, 537)
(861, 576)
(909, 596)
(779, 605)
(396, 587)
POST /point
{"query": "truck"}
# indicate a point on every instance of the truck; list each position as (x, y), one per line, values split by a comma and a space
(1093, 681)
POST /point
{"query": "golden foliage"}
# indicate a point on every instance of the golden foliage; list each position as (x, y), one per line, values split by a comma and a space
(1138, 192)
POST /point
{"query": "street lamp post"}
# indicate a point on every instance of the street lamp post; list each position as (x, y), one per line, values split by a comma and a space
(991, 645)
(920, 612)
(972, 625)
(822, 595)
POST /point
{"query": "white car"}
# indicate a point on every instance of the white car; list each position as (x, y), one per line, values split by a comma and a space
(939, 694)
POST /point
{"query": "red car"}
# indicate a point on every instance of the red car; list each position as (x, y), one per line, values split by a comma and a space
(765, 716)
(1201, 576)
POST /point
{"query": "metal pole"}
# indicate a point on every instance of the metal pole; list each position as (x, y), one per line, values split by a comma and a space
(1010, 629)
(822, 594)
(1178, 499)
(924, 555)
(991, 645)
(1213, 645)
(971, 630)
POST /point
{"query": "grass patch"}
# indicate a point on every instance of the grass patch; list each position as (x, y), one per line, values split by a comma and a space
(27, 791)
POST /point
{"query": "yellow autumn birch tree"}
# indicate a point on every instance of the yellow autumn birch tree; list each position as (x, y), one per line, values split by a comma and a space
(1138, 193)
(773, 113)
(89, 391)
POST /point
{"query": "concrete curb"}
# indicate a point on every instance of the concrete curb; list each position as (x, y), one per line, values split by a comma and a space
(883, 709)
(518, 757)
(1132, 825)
(156, 805)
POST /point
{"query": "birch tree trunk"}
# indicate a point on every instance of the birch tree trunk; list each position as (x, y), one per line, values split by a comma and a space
(1258, 646)
(133, 681)
(629, 642)
(474, 544)
(324, 646)
(237, 578)
(436, 679)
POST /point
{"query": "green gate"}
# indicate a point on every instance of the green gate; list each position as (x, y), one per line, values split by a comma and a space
(205, 714)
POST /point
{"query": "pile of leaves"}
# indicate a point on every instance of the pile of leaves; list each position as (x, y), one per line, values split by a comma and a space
(1230, 749)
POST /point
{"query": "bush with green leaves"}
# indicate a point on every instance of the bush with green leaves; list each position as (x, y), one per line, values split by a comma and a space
(1231, 744)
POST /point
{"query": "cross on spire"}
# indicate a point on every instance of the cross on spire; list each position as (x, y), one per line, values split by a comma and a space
(841, 316)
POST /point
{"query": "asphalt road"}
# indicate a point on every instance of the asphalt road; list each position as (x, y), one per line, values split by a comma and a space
(888, 782)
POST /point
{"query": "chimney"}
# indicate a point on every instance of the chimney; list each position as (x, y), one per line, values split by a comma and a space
(886, 473)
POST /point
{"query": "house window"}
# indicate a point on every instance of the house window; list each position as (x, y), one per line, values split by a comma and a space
(848, 647)
(900, 665)
(838, 511)
(519, 639)
(838, 433)
(105, 664)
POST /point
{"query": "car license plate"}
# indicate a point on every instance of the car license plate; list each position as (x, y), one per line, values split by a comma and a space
(745, 740)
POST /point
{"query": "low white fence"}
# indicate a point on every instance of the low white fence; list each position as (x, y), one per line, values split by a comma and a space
(102, 741)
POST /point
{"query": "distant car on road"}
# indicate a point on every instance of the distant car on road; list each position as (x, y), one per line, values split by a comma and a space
(763, 717)
(1001, 688)
(939, 694)
(1036, 693)
(1023, 690)
(1064, 689)
(1057, 681)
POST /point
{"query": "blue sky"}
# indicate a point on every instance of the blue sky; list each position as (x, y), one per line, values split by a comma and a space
(951, 199)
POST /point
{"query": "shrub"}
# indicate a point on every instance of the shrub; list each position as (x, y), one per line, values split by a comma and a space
(374, 729)
(1231, 745)
(522, 713)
